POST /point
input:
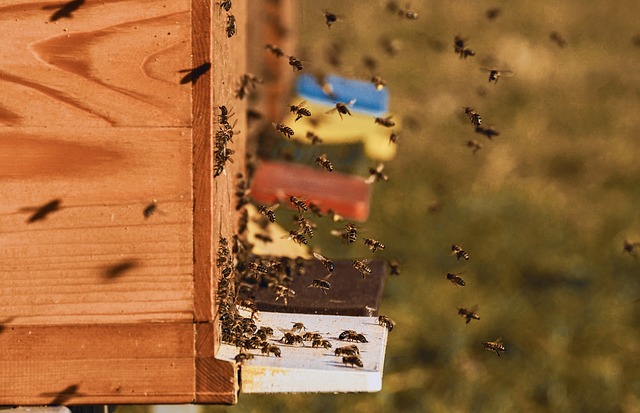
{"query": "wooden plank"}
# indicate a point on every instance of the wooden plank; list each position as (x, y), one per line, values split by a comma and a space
(308, 369)
(87, 364)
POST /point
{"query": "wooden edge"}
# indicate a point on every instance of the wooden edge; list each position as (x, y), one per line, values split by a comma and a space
(216, 380)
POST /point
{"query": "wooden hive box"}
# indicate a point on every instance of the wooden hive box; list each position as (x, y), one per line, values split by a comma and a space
(101, 116)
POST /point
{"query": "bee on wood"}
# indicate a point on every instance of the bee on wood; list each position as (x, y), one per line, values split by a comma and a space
(299, 110)
(375, 174)
(469, 314)
(320, 284)
(150, 209)
(373, 245)
(394, 267)
(267, 349)
(268, 212)
(231, 25)
(393, 138)
(330, 18)
(315, 139)
(494, 74)
(386, 122)
(386, 322)
(459, 252)
(284, 292)
(248, 82)
(297, 236)
(460, 48)
(324, 162)
(362, 267)
(350, 350)
(474, 145)
(283, 129)
(299, 204)
(342, 108)
(291, 339)
(455, 279)
(295, 63)
(496, 346)
(558, 39)
(489, 132)
(225, 4)
(328, 264)
(277, 52)
(240, 358)
(474, 117)
(224, 116)
(378, 82)
(352, 335)
(321, 343)
(305, 225)
(630, 248)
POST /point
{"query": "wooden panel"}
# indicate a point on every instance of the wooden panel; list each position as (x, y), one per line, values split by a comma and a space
(85, 364)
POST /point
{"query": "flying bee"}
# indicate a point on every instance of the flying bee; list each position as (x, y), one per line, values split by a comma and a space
(362, 267)
(494, 74)
(394, 267)
(489, 132)
(150, 209)
(558, 39)
(315, 139)
(496, 346)
(474, 145)
(386, 322)
(455, 279)
(283, 129)
(295, 63)
(321, 343)
(320, 284)
(350, 233)
(231, 25)
(267, 349)
(300, 205)
(350, 350)
(299, 110)
(459, 252)
(284, 292)
(248, 82)
(328, 264)
(277, 52)
(630, 248)
(474, 117)
(469, 314)
(352, 335)
(297, 236)
(268, 212)
(386, 122)
(375, 174)
(460, 48)
(305, 225)
(330, 18)
(324, 162)
(393, 138)
(378, 82)
(342, 108)
(373, 245)
(316, 210)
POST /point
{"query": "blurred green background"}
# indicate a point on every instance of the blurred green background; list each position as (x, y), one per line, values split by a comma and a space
(543, 209)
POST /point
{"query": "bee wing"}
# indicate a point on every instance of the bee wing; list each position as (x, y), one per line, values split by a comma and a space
(336, 232)
(273, 207)
(319, 257)
(371, 179)
(330, 111)
(351, 102)
(301, 104)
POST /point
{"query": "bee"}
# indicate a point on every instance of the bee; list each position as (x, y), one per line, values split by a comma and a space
(455, 279)
(224, 116)
(320, 284)
(393, 138)
(268, 212)
(250, 305)
(350, 233)
(240, 358)
(257, 267)
(267, 349)
(300, 205)
(231, 25)
(283, 129)
(150, 209)
(268, 331)
(350, 350)
(474, 145)
(342, 108)
(297, 236)
(284, 292)
(225, 4)
(305, 225)
(489, 132)
(362, 267)
(328, 264)
(248, 82)
(315, 139)
(295, 63)
(496, 346)
(474, 117)
(291, 339)
(469, 314)
(375, 174)
(321, 343)
(494, 74)
(394, 267)
(309, 336)
(378, 82)
(324, 162)
(558, 39)
(386, 122)
(352, 360)
(373, 245)
(386, 322)
(300, 110)
(335, 218)
(330, 18)
(460, 48)
(277, 52)
(352, 335)
(630, 248)
(459, 252)
(298, 326)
